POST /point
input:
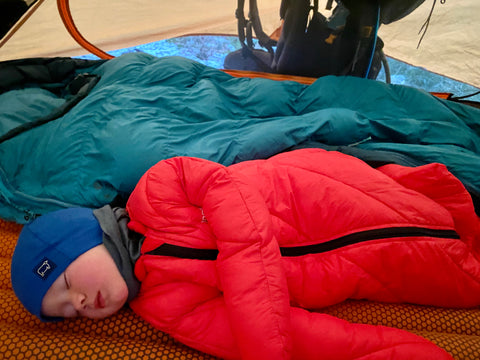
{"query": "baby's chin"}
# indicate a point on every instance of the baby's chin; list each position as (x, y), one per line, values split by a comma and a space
(104, 313)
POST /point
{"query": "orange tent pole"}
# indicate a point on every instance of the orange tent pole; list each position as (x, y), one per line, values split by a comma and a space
(66, 15)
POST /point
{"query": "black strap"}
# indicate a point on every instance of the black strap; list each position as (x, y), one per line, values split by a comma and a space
(245, 27)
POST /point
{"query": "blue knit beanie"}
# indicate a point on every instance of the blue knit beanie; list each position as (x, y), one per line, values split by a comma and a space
(44, 250)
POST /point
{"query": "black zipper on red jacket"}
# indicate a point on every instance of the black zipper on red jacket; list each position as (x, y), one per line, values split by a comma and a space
(184, 252)
(368, 235)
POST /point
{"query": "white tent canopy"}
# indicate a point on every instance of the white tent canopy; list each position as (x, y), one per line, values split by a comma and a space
(450, 46)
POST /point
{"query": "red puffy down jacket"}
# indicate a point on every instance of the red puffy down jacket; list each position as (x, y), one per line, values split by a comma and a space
(237, 259)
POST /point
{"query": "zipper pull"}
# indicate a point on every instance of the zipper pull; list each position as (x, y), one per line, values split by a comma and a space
(204, 218)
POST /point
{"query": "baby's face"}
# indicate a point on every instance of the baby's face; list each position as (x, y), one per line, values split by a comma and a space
(90, 286)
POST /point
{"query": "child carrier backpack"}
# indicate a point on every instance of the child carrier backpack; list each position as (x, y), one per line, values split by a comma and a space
(310, 44)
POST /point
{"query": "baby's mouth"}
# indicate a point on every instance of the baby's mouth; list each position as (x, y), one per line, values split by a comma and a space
(99, 301)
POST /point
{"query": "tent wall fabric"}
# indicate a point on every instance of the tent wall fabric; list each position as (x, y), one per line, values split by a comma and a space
(449, 47)
(126, 24)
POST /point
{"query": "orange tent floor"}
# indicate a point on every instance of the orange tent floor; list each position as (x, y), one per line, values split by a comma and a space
(124, 335)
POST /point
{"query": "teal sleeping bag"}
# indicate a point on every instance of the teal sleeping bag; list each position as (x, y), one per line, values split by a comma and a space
(83, 135)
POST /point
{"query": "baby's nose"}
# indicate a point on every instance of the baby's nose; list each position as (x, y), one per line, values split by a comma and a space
(80, 302)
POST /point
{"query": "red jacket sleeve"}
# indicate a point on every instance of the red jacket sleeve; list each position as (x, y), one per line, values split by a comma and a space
(168, 200)
(321, 336)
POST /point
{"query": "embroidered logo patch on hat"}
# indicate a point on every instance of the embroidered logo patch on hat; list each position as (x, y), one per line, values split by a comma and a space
(44, 268)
